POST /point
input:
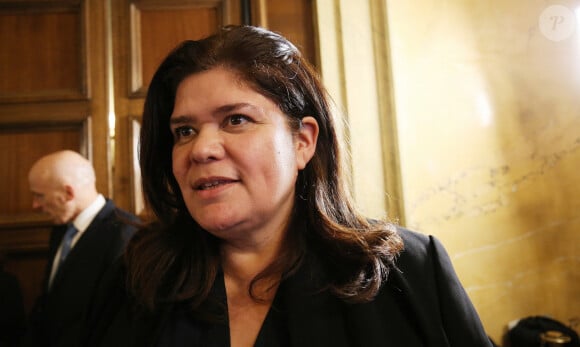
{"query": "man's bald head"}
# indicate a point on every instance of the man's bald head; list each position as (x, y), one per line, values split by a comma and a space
(62, 184)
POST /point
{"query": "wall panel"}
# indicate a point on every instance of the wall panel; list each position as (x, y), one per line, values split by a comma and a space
(21, 147)
(157, 30)
(489, 135)
(31, 69)
(23, 252)
(293, 19)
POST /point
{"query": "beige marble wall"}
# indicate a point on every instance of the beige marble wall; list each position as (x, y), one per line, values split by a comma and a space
(487, 102)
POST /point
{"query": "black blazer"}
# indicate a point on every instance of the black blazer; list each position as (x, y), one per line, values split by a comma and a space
(58, 314)
(421, 304)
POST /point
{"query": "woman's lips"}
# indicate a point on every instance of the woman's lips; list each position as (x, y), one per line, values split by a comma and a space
(212, 183)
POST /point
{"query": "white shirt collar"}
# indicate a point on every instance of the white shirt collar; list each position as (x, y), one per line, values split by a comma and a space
(85, 218)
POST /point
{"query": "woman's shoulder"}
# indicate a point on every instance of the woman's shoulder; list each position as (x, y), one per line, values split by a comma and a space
(415, 243)
(424, 264)
(420, 252)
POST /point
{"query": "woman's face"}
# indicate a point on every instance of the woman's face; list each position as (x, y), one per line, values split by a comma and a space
(234, 156)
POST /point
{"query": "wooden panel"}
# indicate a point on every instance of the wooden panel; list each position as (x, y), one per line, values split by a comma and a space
(23, 253)
(158, 28)
(19, 149)
(32, 68)
(293, 19)
(35, 114)
(20, 237)
(28, 267)
(136, 189)
(100, 83)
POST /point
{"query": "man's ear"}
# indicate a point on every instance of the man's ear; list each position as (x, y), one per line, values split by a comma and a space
(69, 192)
(306, 141)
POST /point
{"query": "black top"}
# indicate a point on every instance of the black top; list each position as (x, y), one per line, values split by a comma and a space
(421, 304)
(183, 330)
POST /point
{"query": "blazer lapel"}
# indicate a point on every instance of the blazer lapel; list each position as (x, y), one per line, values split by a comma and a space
(56, 237)
(320, 319)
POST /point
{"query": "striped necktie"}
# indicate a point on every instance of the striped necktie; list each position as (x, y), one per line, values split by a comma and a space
(67, 242)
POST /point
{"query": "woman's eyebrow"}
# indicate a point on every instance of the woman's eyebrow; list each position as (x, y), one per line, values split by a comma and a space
(180, 120)
(188, 119)
(231, 107)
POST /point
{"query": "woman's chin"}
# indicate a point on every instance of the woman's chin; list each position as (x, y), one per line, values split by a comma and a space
(219, 226)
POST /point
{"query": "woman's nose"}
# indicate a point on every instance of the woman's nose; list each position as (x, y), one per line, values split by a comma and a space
(207, 146)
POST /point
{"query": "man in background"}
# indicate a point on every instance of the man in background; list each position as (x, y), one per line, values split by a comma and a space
(90, 233)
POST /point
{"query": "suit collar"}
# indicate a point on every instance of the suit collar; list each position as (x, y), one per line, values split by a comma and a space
(84, 219)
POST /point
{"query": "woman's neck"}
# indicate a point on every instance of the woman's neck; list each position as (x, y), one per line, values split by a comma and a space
(244, 258)
(242, 265)
(248, 310)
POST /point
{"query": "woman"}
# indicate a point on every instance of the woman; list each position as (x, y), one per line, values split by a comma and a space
(258, 242)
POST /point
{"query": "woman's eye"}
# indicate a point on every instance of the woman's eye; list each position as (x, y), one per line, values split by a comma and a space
(237, 119)
(182, 132)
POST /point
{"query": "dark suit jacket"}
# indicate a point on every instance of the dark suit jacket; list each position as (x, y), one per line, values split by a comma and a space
(58, 314)
(421, 304)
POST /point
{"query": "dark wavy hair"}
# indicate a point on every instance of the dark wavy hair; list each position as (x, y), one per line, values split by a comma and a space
(175, 260)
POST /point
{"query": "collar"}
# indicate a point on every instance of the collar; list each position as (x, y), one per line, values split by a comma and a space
(84, 219)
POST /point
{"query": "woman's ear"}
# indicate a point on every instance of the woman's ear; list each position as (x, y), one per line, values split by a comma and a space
(306, 141)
